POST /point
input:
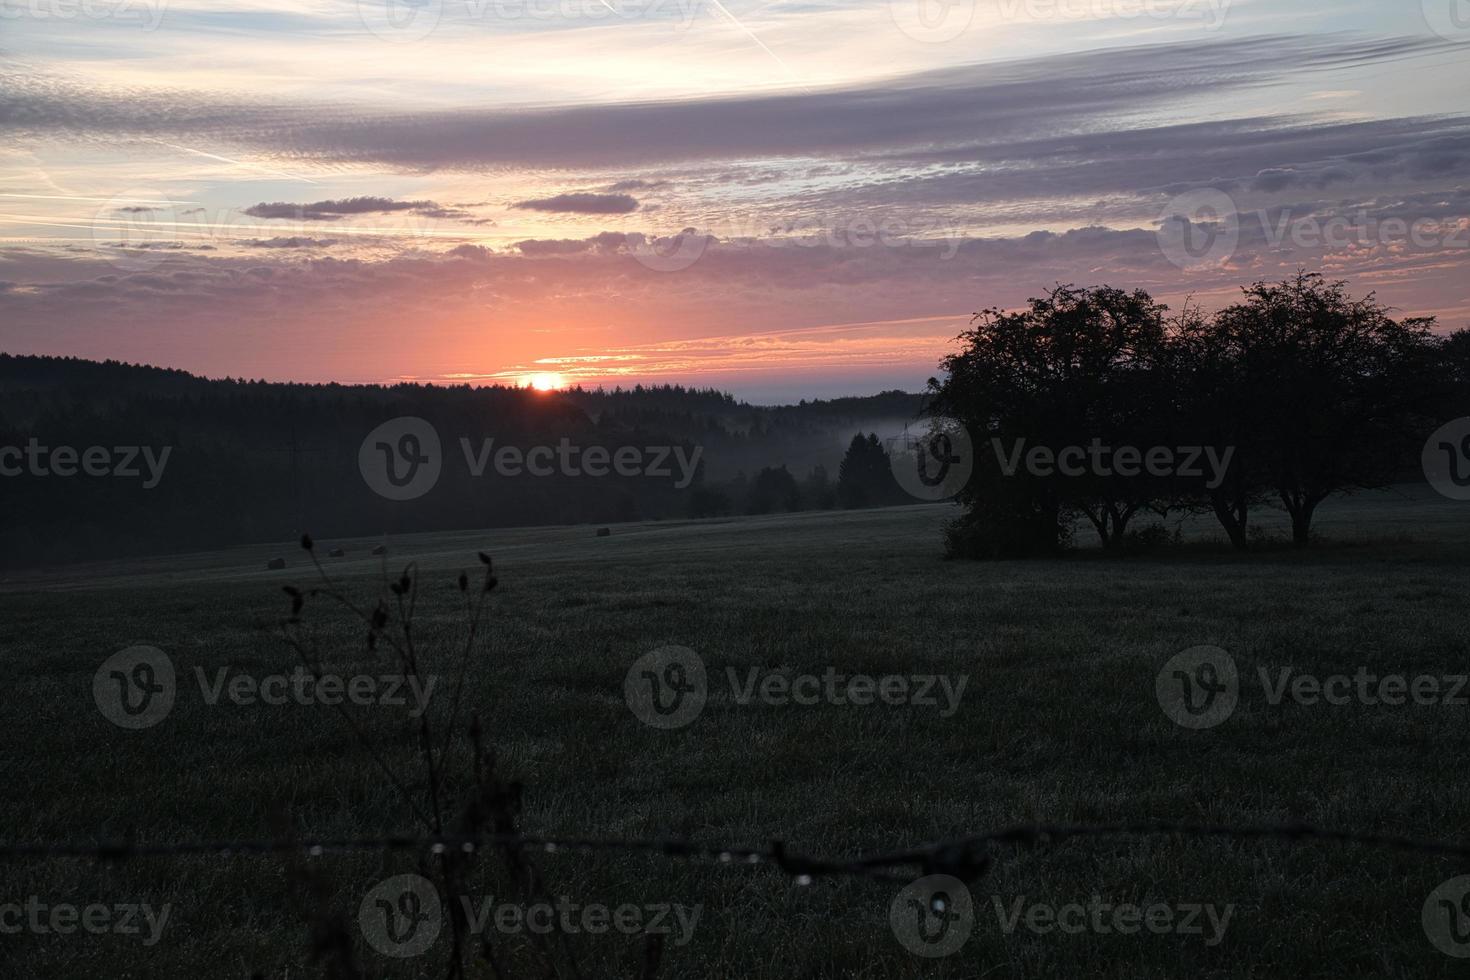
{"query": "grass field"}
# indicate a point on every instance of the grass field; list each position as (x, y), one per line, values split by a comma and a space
(1059, 721)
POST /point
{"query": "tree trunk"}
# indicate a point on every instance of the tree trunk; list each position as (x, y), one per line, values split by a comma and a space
(1301, 507)
(1232, 517)
(1301, 529)
(1099, 523)
(1121, 519)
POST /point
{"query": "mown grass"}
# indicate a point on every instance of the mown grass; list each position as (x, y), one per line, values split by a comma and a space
(1058, 722)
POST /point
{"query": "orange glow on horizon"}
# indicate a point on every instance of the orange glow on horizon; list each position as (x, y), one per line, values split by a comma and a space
(544, 382)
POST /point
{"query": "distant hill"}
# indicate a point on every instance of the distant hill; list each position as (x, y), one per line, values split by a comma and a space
(223, 462)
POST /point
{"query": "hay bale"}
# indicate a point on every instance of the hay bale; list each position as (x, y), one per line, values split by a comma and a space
(336, 553)
(276, 564)
(603, 532)
(381, 549)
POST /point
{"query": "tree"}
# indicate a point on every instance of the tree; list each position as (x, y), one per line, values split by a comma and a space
(864, 478)
(707, 501)
(1218, 413)
(817, 490)
(1455, 377)
(1075, 368)
(1322, 393)
(774, 488)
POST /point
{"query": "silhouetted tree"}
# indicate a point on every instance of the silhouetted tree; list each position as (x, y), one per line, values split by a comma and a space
(864, 478)
(709, 502)
(818, 491)
(1295, 393)
(1324, 393)
(774, 488)
(1076, 369)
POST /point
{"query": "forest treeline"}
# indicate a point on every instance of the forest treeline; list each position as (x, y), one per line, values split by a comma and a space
(251, 461)
(1294, 393)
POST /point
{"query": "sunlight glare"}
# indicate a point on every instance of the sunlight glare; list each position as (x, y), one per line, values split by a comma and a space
(545, 382)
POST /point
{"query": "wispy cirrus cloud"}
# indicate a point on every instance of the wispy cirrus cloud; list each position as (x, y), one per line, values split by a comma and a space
(956, 108)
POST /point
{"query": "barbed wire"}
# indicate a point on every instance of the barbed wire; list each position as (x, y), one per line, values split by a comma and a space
(967, 857)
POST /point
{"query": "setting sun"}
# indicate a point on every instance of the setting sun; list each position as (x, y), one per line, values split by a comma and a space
(545, 382)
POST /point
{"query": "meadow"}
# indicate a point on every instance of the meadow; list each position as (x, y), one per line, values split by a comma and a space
(1058, 722)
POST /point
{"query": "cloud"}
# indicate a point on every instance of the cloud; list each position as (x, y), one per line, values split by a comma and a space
(606, 241)
(294, 241)
(638, 185)
(337, 210)
(953, 109)
(549, 297)
(583, 204)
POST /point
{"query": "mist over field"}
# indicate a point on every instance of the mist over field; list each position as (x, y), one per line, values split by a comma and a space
(679, 489)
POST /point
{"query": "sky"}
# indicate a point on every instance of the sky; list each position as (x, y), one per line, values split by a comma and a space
(785, 199)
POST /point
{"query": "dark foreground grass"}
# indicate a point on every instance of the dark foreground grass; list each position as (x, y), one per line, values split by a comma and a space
(1058, 722)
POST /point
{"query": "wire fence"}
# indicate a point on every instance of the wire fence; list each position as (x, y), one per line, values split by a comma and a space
(965, 857)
